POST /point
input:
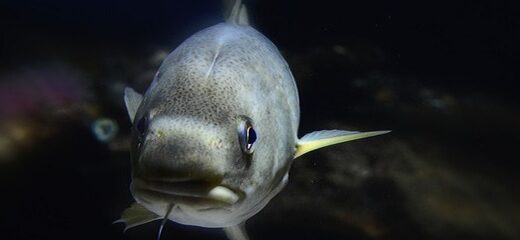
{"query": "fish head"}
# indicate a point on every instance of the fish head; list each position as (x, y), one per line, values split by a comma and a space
(217, 164)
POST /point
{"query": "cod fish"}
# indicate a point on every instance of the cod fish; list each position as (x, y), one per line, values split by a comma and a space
(215, 134)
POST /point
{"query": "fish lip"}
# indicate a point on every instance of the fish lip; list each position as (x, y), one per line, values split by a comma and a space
(196, 194)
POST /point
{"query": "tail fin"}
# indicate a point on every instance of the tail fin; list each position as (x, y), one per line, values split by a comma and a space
(238, 14)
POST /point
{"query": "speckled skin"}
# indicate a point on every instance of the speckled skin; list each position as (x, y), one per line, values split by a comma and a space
(200, 95)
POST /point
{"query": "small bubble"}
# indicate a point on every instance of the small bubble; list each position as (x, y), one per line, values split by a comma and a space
(105, 129)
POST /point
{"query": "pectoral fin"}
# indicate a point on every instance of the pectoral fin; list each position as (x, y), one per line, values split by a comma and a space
(132, 102)
(136, 215)
(237, 232)
(324, 138)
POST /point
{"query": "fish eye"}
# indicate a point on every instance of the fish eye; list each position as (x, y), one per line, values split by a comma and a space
(141, 127)
(247, 136)
(250, 137)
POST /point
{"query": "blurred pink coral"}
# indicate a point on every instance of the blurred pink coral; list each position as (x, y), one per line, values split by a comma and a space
(34, 90)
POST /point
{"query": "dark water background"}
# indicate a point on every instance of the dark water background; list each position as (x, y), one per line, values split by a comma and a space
(442, 75)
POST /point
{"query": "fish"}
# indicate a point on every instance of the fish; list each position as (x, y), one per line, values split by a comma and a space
(216, 132)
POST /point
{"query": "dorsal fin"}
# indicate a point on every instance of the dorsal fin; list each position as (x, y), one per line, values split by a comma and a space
(238, 14)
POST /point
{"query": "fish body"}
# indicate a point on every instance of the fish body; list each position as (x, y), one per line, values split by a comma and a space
(215, 134)
(210, 85)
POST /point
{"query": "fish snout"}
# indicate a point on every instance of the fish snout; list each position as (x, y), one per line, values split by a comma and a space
(184, 162)
(180, 153)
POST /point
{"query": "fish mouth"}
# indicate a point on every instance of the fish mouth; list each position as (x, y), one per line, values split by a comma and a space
(195, 194)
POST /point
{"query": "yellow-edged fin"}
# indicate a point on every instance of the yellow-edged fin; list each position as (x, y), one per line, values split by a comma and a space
(324, 138)
(136, 215)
